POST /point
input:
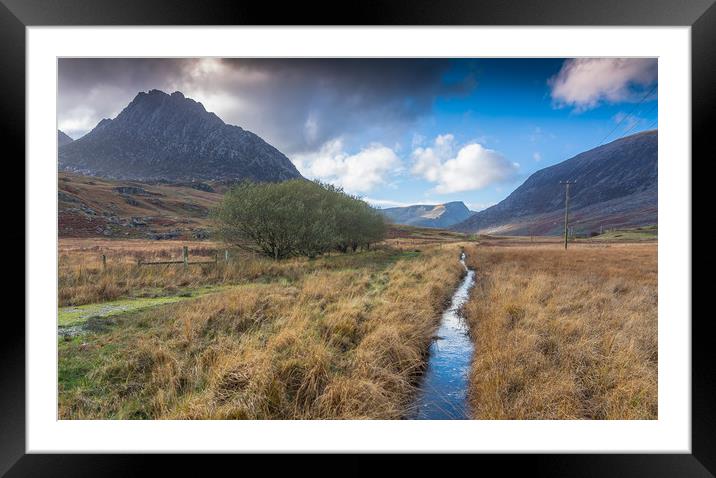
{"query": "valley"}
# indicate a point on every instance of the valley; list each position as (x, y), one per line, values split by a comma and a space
(201, 276)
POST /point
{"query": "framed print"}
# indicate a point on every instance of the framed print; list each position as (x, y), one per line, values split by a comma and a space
(453, 228)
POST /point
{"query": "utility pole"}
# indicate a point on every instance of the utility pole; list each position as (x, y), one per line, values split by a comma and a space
(566, 209)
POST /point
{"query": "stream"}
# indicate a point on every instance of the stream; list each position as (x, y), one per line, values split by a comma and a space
(443, 387)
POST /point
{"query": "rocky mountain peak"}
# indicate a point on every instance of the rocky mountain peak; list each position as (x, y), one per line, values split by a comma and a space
(160, 136)
(158, 109)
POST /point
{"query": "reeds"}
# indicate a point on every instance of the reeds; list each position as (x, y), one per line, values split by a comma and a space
(344, 338)
(564, 335)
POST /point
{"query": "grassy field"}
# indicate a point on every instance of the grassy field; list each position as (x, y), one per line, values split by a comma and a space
(345, 336)
(327, 338)
(81, 279)
(645, 233)
(564, 334)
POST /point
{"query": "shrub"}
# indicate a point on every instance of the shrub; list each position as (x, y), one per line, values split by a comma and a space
(296, 217)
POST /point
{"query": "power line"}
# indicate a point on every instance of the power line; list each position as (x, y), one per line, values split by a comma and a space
(637, 123)
(569, 183)
(629, 114)
(653, 123)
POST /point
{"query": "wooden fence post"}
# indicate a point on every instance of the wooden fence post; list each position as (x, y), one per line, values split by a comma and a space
(104, 263)
(185, 256)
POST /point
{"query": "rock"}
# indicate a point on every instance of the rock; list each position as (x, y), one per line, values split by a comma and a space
(200, 234)
(63, 196)
(158, 236)
(202, 187)
(130, 200)
(135, 191)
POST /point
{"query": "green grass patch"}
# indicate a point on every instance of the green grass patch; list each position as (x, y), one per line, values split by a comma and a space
(77, 359)
(643, 233)
(75, 315)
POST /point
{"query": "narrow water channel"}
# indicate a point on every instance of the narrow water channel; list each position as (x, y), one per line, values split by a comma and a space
(443, 387)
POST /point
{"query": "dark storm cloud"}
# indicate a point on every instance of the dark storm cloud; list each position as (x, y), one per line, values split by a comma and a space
(296, 104)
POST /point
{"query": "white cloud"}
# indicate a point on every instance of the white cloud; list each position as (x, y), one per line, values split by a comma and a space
(76, 123)
(310, 129)
(626, 120)
(537, 156)
(418, 140)
(474, 166)
(585, 82)
(536, 134)
(444, 140)
(360, 172)
(426, 164)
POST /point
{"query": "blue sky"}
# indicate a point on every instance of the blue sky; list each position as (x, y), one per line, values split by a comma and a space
(394, 131)
(510, 111)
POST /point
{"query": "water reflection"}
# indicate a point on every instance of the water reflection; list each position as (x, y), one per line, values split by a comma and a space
(443, 389)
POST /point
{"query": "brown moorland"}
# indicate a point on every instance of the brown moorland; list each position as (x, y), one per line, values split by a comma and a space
(564, 334)
(558, 334)
(327, 338)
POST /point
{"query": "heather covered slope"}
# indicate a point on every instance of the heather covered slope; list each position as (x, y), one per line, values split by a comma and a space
(96, 207)
(170, 137)
(616, 186)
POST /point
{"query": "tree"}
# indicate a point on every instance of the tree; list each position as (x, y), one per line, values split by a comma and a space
(296, 217)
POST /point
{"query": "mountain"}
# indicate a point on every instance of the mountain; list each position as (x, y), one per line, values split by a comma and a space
(616, 186)
(439, 216)
(63, 139)
(170, 137)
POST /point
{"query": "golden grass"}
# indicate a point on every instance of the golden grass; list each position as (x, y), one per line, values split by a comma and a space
(81, 279)
(564, 335)
(558, 335)
(341, 337)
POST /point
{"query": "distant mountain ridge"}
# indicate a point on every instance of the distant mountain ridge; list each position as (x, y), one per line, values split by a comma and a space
(170, 137)
(616, 186)
(63, 139)
(423, 215)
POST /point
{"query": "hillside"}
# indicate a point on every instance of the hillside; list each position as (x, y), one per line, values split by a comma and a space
(435, 216)
(170, 137)
(91, 207)
(63, 139)
(616, 186)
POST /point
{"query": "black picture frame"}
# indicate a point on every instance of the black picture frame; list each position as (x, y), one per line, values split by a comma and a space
(700, 15)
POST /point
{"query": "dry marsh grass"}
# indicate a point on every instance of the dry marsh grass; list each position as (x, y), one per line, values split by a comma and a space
(81, 279)
(343, 337)
(564, 335)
